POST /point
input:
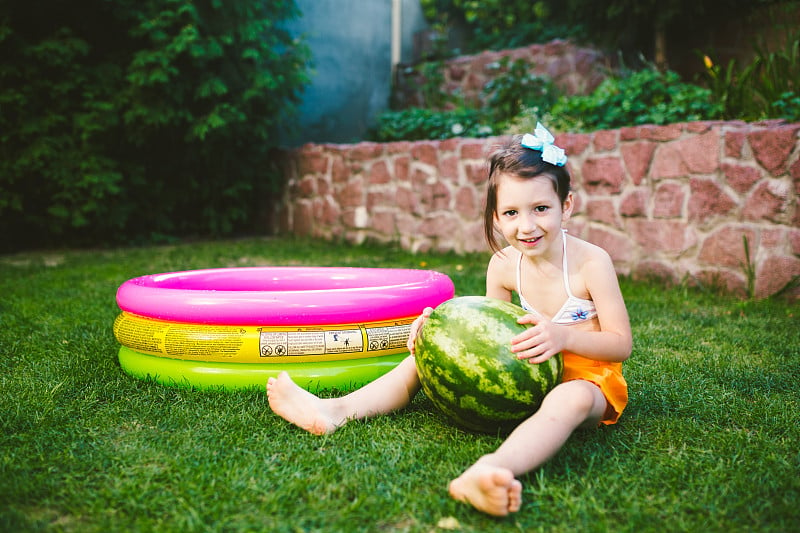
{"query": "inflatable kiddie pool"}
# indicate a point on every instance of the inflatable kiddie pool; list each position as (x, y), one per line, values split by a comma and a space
(233, 328)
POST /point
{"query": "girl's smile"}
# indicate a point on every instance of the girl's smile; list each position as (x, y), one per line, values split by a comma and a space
(530, 242)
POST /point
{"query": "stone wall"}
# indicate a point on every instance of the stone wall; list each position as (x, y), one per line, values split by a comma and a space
(573, 69)
(668, 201)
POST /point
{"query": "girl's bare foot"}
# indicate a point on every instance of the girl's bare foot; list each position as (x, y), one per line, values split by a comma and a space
(488, 488)
(300, 407)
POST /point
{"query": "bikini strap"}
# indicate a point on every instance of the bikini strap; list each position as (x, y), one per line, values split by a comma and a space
(564, 265)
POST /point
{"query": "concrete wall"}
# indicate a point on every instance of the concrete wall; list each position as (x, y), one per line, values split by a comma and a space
(350, 42)
(670, 201)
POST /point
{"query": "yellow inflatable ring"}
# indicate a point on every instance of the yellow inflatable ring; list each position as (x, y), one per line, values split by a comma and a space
(262, 344)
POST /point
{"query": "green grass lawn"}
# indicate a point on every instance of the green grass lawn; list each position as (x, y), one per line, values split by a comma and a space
(709, 441)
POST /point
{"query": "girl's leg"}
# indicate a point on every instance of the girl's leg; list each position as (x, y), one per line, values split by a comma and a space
(490, 485)
(390, 392)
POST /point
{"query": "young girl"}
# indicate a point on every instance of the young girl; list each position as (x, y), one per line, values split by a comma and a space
(570, 289)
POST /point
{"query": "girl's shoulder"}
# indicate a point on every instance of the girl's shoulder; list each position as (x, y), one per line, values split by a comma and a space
(505, 258)
(584, 252)
(502, 270)
(589, 260)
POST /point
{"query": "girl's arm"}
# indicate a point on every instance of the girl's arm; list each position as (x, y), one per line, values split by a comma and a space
(497, 276)
(612, 342)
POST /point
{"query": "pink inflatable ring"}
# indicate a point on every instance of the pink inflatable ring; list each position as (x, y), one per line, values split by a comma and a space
(284, 295)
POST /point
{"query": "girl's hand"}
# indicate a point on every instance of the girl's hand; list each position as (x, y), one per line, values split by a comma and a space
(416, 326)
(540, 342)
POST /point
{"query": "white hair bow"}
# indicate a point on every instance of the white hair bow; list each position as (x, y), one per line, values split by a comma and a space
(543, 140)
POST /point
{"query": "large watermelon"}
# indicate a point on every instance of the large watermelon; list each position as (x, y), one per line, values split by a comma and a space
(467, 369)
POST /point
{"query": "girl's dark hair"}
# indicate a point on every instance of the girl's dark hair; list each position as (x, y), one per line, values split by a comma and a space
(513, 158)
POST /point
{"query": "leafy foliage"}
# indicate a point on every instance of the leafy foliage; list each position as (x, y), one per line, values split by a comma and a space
(767, 87)
(518, 88)
(498, 24)
(508, 94)
(788, 106)
(124, 120)
(647, 96)
(415, 124)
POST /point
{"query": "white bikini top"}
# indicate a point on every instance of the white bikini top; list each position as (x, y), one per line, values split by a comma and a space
(574, 310)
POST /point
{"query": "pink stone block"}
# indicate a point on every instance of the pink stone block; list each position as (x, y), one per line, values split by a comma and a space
(436, 196)
(467, 204)
(661, 235)
(603, 175)
(669, 198)
(365, 151)
(574, 144)
(602, 211)
(741, 178)
(448, 167)
(401, 165)
(380, 198)
(449, 145)
(769, 201)
(383, 223)
(772, 146)
(379, 173)
(648, 269)
(734, 143)
(774, 273)
(352, 194)
(312, 162)
(637, 157)
(794, 241)
(305, 187)
(442, 225)
(660, 133)
(605, 140)
(634, 203)
(476, 173)
(339, 171)
(794, 172)
(473, 150)
(694, 155)
(725, 246)
(708, 199)
(406, 200)
(426, 152)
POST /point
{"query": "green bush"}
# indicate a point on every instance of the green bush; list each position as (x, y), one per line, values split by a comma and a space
(643, 97)
(415, 124)
(516, 89)
(124, 120)
(787, 106)
(508, 94)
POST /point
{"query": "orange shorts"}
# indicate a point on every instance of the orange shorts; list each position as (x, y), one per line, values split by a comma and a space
(607, 376)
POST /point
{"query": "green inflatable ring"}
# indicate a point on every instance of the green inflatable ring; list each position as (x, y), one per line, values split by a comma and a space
(202, 375)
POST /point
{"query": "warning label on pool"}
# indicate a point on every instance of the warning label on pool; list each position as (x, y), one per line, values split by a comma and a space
(387, 337)
(309, 342)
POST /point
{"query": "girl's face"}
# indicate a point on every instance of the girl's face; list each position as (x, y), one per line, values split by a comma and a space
(530, 215)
